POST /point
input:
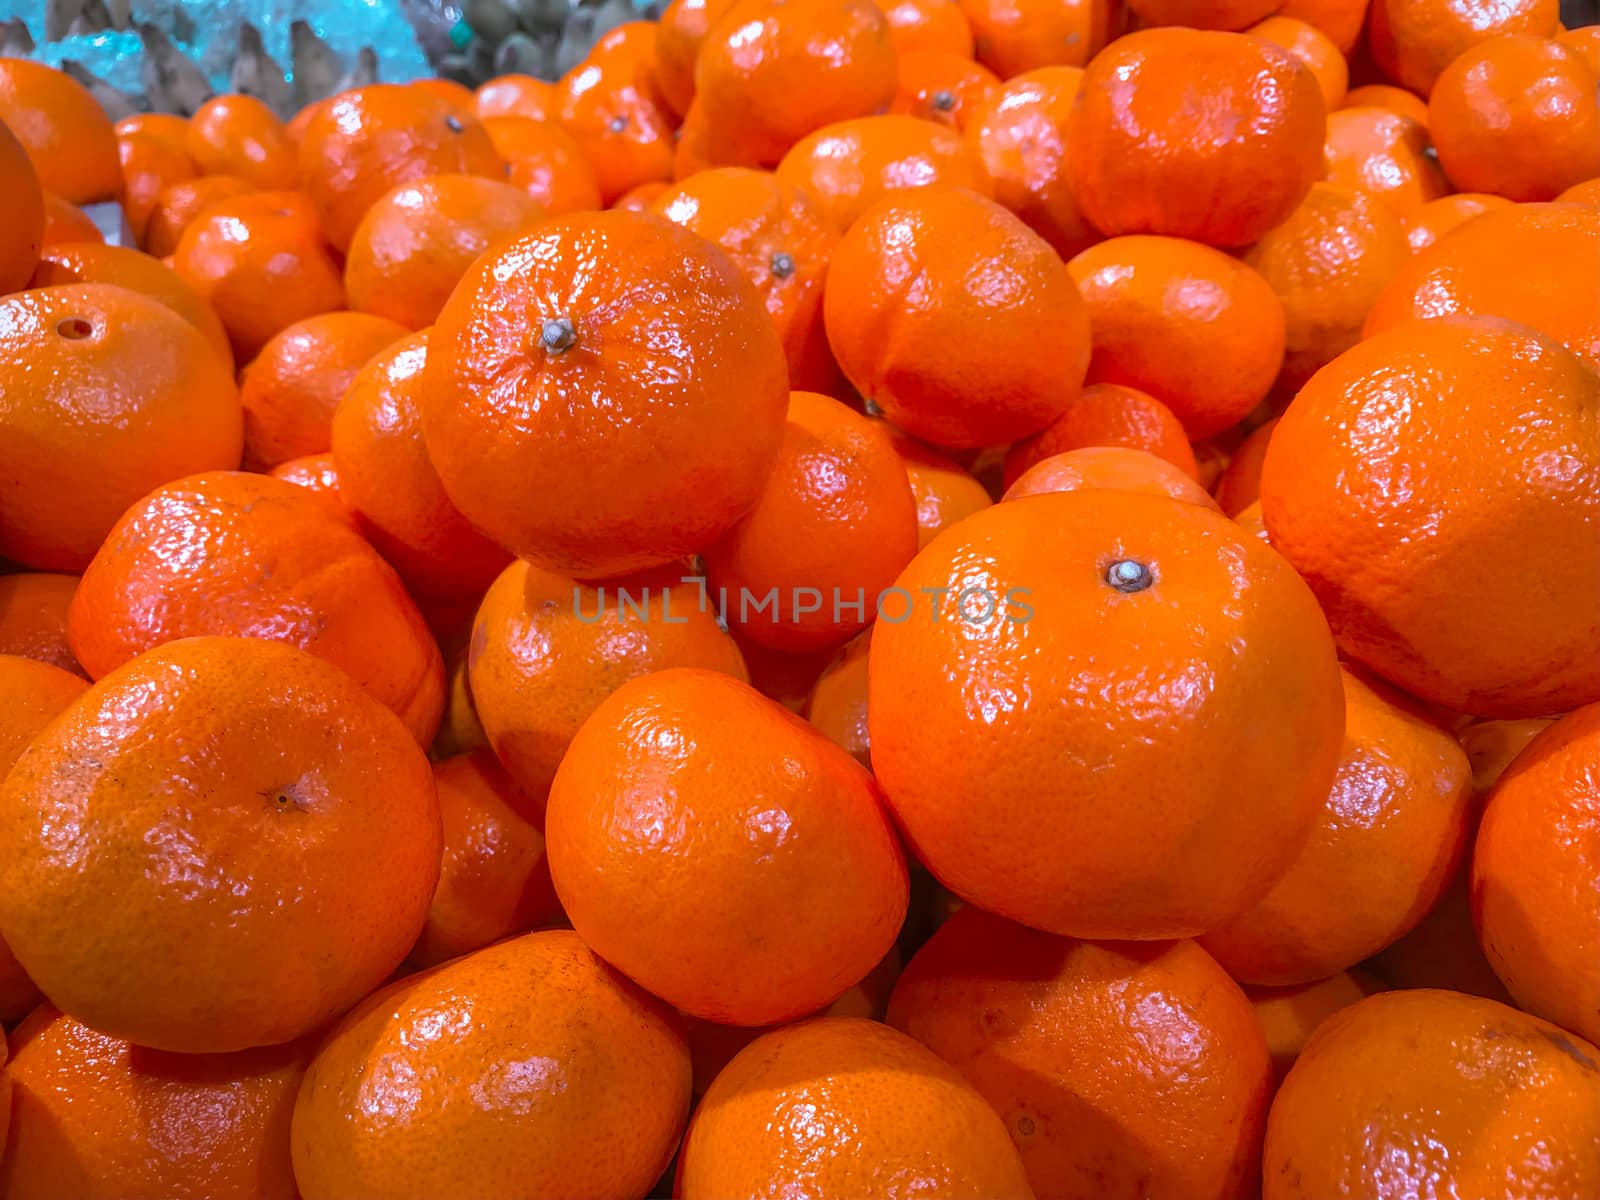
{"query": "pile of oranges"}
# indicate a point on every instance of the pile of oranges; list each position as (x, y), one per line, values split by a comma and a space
(861, 599)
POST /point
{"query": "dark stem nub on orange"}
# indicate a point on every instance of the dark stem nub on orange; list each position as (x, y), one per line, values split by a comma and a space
(782, 265)
(453, 124)
(1126, 575)
(74, 328)
(944, 100)
(617, 123)
(557, 334)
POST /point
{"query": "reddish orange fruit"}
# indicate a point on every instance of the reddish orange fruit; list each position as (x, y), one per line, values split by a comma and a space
(944, 492)
(545, 161)
(149, 166)
(1341, 20)
(1290, 1015)
(608, 103)
(67, 134)
(169, 127)
(1116, 467)
(33, 618)
(319, 475)
(643, 197)
(680, 31)
(1311, 46)
(1201, 14)
(1384, 154)
(177, 205)
(941, 87)
(1106, 414)
(23, 234)
(1586, 193)
(837, 705)
(1438, 217)
(240, 136)
(515, 96)
(1240, 485)
(65, 223)
(1413, 41)
(1384, 95)
(927, 27)
(1015, 36)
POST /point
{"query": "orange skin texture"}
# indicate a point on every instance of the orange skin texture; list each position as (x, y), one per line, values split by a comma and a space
(33, 618)
(1384, 95)
(680, 31)
(546, 651)
(493, 880)
(1107, 414)
(1250, 520)
(93, 422)
(1413, 41)
(515, 96)
(385, 476)
(1387, 840)
(1586, 193)
(917, 1127)
(292, 387)
(417, 241)
(1364, 491)
(1311, 46)
(778, 238)
(643, 197)
(100, 1118)
(1116, 467)
(1533, 873)
(65, 222)
(1015, 36)
(65, 131)
(721, 852)
(319, 475)
(941, 87)
(838, 704)
(1290, 1015)
(459, 95)
(1386, 155)
(927, 26)
(956, 319)
(149, 166)
(169, 127)
(96, 262)
(644, 439)
(365, 141)
(1341, 20)
(260, 261)
(1586, 41)
(1517, 116)
(1528, 263)
(239, 135)
(1201, 14)
(1438, 217)
(1196, 328)
(1150, 156)
(768, 75)
(270, 833)
(180, 203)
(850, 166)
(23, 234)
(1076, 1045)
(1152, 827)
(1412, 1092)
(545, 161)
(276, 563)
(944, 492)
(460, 732)
(836, 515)
(1328, 263)
(396, 1105)
(1019, 134)
(1240, 485)
(608, 104)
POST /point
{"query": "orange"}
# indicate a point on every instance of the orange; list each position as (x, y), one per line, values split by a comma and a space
(108, 394)
(493, 881)
(240, 136)
(1116, 467)
(941, 87)
(1011, 37)
(777, 237)
(365, 141)
(1106, 414)
(1151, 636)
(1328, 263)
(295, 128)
(149, 166)
(604, 394)
(1147, 158)
(944, 492)
(545, 161)
(787, 679)
(458, 95)
(65, 131)
(260, 260)
(385, 476)
(915, 1126)
(608, 103)
(1386, 155)
(1529, 263)
(318, 474)
(250, 556)
(1587, 193)
(23, 234)
(33, 618)
(1019, 134)
(1517, 116)
(1386, 841)
(180, 203)
(417, 241)
(838, 704)
(927, 26)
(679, 32)
(96, 1117)
(643, 197)
(1311, 46)
(1411, 482)
(557, 1078)
(515, 96)
(1384, 95)
(721, 852)
(1419, 1092)
(546, 651)
(1250, 520)
(1438, 217)
(1413, 41)
(1201, 14)
(956, 319)
(269, 831)
(1056, 1035)
(1240, 485)
(290, 390)
(1533, 872)
(1195, 328)
(169, 127)
(459, 731)
(835, 524)
(1586, 41)
(65, 222)
(1290, 1015)
(849, 166)
(1341, 20)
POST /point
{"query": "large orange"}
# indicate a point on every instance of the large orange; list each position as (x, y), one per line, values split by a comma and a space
(23, 234)
(1106, 414)
(33, 617)
(1413, 41)
(1014, 36)
(526, 1069)
(1152, 637)
(180, 203)
(240, 136)
(1386, 155)
(107, 394)
(1438, 486)
(604, 394)
(269, 831)
(545, 161)
(65, 131)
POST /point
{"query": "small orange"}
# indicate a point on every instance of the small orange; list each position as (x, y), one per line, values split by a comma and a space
(169, 127)
(944, 492)
(515, 96)
(1533, 872)
(1116, 467)
(1586, 41)
(608, 104)
(240, 136)
(318, 474)
(33, 618)
(179, 204)
(459, 730)
(943, 88)
(1438, 217)
(290, 390)
(927, 26)
(545, 161)
(1431, 1092)
(1197, 329)
(680, 31)
(65, 222)
(108, 394)
(1413, 41)
(1147, 157)
(1586, 193)
(916, 1127)
(1107, 414)
(1341, 20)
(1312, 47)
(1201, 14)
(1384, 154)
(269, 830)
(780, 882)
(1387, 96)
(1290, 1015)
(837, 705)
(1011, 37)
(149, 166)
(1056, 1035)
(23, 234)
(65, 131)
(1240, 485)
(643, 197)
(295, 128)
(458, 95)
